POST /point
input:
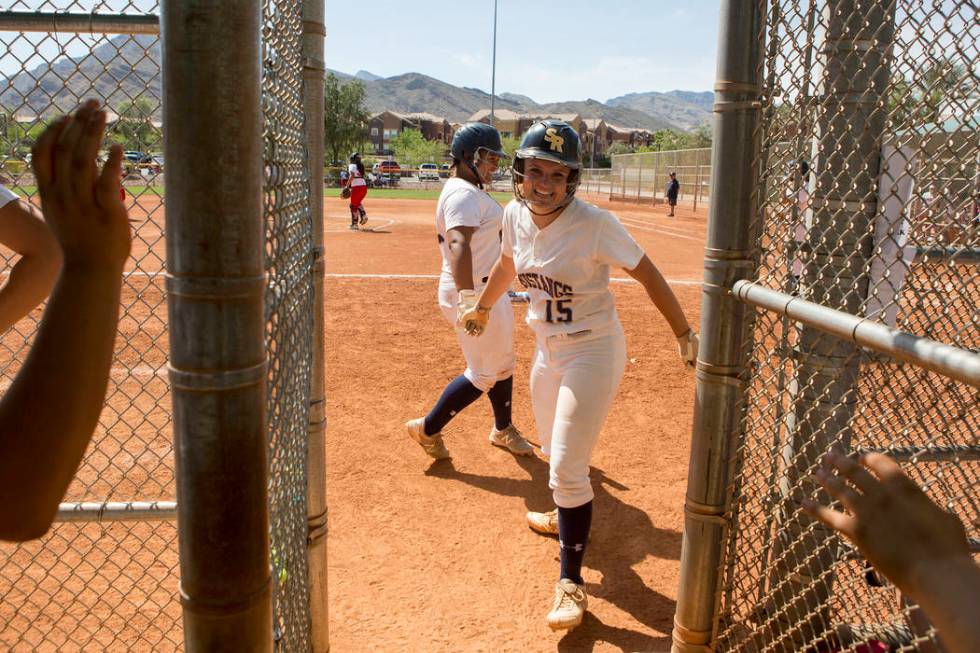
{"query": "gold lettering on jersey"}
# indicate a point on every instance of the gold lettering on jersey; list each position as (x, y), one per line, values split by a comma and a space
(556, 141)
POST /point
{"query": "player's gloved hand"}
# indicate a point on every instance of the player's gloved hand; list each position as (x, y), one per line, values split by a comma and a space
(687, 347)
(471, 316)
(465, 302)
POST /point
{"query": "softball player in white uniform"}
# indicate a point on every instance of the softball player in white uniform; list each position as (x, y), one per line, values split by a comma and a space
(562, 250)
(468, 227)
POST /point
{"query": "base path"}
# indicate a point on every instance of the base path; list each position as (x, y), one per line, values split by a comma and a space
(435, 556)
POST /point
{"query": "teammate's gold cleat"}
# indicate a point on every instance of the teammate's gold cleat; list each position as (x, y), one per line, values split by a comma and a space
(545, 523)
(569, 605)
(431, 444)
(512, 440)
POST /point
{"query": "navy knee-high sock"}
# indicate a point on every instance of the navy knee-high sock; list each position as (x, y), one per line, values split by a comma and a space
(459, 394)
(573, 534)
(500, 395)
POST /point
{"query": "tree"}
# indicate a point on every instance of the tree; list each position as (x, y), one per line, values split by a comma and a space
(941, 88)
(135, 130)
(412, 148)
(345, 117)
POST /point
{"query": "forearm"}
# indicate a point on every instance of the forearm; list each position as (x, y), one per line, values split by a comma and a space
(29, 283)
(461, 265)
(51, 409)
(949, 592)
(659, 292)
(498, 282)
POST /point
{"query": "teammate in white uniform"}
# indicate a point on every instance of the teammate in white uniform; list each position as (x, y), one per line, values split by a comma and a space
(562, 249)
(23, 230)
(468, 227)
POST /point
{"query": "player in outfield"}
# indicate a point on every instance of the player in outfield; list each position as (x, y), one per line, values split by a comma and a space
(562, 250)
(50, 411)
(468, 230)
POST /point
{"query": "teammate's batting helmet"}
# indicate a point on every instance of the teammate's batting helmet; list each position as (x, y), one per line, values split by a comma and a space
(552, 140)
(469, 140)
(473, 137)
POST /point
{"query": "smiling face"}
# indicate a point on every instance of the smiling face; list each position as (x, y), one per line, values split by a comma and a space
(487, 165)
(545, 184)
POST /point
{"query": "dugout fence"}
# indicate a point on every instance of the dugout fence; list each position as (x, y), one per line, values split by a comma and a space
(840, 310)
(228, 231)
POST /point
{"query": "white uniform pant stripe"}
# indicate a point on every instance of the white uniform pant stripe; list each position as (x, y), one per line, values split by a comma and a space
(573, 383)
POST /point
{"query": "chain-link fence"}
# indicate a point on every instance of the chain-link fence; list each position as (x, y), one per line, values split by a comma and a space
(864, 200)
(289, 310)
(106, 576)
(643, 176)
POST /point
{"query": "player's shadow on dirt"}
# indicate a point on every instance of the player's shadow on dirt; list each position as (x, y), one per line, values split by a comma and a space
(592, 631)
(622, 536)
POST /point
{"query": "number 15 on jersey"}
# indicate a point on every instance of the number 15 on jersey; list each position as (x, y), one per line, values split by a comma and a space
(557, 310)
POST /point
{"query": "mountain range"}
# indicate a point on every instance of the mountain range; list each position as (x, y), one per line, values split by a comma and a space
(125, 67)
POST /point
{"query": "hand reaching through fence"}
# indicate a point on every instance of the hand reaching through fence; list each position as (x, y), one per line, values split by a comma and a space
(51, 409)
(919, 546)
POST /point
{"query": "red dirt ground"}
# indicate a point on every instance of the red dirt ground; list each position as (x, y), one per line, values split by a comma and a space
(435, 556)
(422, 556)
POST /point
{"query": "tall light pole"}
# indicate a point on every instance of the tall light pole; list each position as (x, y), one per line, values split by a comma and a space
(493, 65)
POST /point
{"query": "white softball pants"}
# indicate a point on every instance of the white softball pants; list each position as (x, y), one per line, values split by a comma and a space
(573, 381)
(490, 357)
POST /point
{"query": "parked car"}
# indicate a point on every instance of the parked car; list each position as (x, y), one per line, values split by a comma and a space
(444, 170)
(387, 173)
(133, 156)
(428, 172)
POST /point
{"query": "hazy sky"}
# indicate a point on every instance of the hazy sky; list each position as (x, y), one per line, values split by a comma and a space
(549, 51)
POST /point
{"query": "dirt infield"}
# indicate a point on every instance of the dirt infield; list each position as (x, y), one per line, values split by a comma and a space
(422, 557)
(435, 556)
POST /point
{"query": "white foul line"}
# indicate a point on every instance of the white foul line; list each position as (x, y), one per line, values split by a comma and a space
(646, 227)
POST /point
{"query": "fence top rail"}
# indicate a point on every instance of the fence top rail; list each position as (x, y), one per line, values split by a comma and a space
(952, 362)
(79, 23)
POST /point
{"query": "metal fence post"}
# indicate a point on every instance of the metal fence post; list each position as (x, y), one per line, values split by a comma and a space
(724, 321)
(697, 186)
(858, 38)
(314, 68)
(215, 283)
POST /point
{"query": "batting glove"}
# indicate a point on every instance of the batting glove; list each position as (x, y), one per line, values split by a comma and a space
(471, 317)
(687, 347)
(465, 302)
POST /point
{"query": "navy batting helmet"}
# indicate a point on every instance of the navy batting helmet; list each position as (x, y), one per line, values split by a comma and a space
(354, 157)
(473, 137)
(552, 140)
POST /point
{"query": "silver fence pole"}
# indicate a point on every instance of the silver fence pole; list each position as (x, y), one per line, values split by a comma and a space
(697, 186)
(639, 180)
(951, 362)
(78, 23)
(855, 51)
(215, 287)
(725, 322)
(314, 69)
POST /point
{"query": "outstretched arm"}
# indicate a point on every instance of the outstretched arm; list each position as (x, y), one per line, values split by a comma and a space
(660, 293)
(475, 319)
(50, 411)
(23, 230)
(919, 546)
(666, 302)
